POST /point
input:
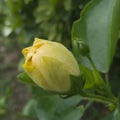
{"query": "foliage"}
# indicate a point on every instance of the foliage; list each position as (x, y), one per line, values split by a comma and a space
(102, 33)
(52, 107)
(52, 19)
(97, 27)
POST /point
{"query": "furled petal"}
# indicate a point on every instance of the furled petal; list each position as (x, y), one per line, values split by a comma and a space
(50, 64)
(55, 73)
(25, 51)
(59, 52)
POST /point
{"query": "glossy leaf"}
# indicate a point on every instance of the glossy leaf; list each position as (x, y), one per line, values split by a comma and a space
(98, 26)
(29, 109)
(53, 107)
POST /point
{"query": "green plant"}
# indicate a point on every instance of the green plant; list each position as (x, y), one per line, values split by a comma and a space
(94, 40)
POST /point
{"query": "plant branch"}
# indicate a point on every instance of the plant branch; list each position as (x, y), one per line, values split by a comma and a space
(100, 98)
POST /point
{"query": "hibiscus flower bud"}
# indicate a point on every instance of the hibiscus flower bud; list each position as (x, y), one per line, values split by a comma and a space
(49, 64)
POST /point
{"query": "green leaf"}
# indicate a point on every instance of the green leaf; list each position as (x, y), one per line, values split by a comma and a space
(77, 84)
(116, 115)
(53, 107)
(24, 78)
(108, 117)
(2, 101)
(29, 109)
(3, 109)
(68, 4)
(98, 26)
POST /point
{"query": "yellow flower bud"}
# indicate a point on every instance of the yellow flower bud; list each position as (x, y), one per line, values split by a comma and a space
(50, 64)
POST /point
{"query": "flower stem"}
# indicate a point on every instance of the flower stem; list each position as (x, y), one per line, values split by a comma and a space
(91, 61)
(108, 97)
(100, 98)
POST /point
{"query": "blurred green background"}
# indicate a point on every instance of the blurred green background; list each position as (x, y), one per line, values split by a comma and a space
(20, 22)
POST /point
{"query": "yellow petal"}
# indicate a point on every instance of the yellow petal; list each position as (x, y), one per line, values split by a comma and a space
(25, 51)
(49, 64)
(55, 73)
(38, 41)
(36, 76)
(59, 52)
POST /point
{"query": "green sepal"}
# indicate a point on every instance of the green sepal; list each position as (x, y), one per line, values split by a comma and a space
(97, 78)
(24, 78)
(77, 84)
